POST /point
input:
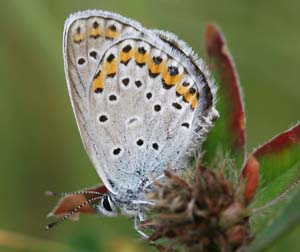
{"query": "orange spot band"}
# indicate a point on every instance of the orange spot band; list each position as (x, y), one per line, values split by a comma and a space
(110, 67)
(95, 32)
(181, 90)
(111, 34)
(126, 56)
(78, 37)
(141, 58)
(98, 82)
(155, 68)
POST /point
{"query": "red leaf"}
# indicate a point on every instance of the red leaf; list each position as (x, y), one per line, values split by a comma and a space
(280, 142)
(229, 131)
(216, 47)
(69, 202)
(251, 175)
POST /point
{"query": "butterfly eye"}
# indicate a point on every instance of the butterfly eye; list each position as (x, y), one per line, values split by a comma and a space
(107, 207)
(106, 204)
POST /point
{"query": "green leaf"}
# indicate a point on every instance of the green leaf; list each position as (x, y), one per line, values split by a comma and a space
(279, 169)
(286, 221)
(278, 186)
(228, 135)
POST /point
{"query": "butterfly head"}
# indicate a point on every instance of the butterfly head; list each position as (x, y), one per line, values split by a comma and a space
(96, 200)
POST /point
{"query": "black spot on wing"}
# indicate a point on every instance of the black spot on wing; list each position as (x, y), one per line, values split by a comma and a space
(117, 151)
(140, 142)
(173, 71)
(127, 48)
(157, 60)
(185, 124)
(176, 105)
(112, 97)
(93, 54)
(138, 83)
(103, 118)
(157, 107)
(149, 95)
(113, 28)
(125, 81)
(110, 58)
(155, 146)
(142, 50)
(95, 25)
(81, 61)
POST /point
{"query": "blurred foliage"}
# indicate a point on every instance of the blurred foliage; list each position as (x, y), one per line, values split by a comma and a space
(40, 145)
(288, 218)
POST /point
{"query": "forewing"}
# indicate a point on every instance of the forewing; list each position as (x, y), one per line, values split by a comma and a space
(86, 36)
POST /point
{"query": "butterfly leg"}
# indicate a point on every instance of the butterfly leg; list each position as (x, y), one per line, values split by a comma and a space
(137, 225)
(143, 202)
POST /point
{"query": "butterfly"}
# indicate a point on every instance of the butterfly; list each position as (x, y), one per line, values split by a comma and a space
(142, 100)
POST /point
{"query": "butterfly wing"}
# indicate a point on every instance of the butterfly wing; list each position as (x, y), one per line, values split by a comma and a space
(141, 99)
(150, 105)
(86, 35)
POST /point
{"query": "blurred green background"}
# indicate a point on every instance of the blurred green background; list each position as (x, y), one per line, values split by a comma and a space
(40, 145)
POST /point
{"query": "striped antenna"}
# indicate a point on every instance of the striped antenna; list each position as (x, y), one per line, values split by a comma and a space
(50, 193)
(72, 211)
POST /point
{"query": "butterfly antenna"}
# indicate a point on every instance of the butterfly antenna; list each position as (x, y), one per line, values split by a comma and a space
(71, 212)
(50, 193)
